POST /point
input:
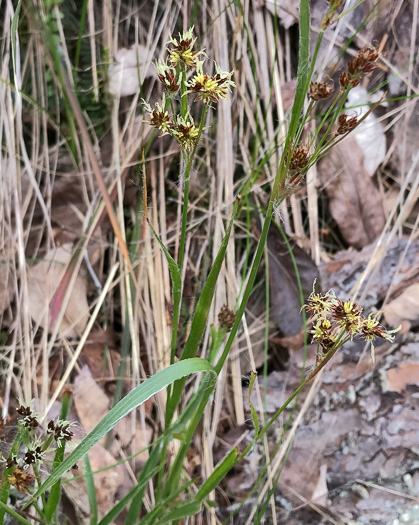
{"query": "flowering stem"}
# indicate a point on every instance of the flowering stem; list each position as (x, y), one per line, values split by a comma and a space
(189, 159)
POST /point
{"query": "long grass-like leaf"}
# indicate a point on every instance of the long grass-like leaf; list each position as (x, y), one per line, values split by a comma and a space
(135, 398)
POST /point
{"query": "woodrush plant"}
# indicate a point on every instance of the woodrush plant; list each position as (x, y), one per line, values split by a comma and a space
(191, 89)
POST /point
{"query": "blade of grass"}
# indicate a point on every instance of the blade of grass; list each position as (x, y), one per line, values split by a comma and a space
(136, 397)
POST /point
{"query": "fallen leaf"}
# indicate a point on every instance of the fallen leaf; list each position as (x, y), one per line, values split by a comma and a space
(400, 377)
(91, 402)
(319, 496)
(404, 308)
(355, 202)
(106, 483)
(43, 280)
(370, 134)
(285, 296)
(130, 66)
(133, 437)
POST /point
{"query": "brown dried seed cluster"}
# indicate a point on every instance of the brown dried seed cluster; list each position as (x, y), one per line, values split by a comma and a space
(226, 318)
(362, 64)
(21, 480)
(346, 124)
(320, 90)
(299, 159)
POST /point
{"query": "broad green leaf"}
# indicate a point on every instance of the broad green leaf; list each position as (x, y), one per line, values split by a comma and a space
(135, 398)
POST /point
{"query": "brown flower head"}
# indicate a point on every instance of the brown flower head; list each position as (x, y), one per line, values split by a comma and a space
(226, 318)
(347, 315)
(346, 124)
(210, 88)
(181, 49)
(370, 329)
(167, 76)
(61, 431)
(159, 118)
(320, 303)
(299, 159)
(21, 480)
(320, 90)
(363, 63)
(185, 132)
(27, 417)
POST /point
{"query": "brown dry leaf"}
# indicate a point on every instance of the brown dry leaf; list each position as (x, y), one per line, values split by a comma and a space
(106, 483)
(319, 496)
(285, 296)
(43, 280)
(91, 402)
(402, 376)
(135, 436)
(404, 308)
(355, 202)
(93, 356)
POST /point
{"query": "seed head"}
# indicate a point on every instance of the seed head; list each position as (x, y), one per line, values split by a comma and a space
(320, 90)
(346, 124)
(226, 318)
(21, 480)
(299, 159)
(363, 63)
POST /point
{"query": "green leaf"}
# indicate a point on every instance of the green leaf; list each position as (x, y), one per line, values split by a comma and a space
(136, 397)
(303, 71)
(218, 474)
(14, 514)
(183, 511)
(199, 321)
(91, 491)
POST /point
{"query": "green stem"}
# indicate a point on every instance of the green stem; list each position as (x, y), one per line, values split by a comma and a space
(187, 173)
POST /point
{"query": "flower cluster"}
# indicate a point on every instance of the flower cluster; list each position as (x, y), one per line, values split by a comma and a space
(33, 455)
(60, 430)
(210, 88)
(28, 418)
(336, 321)
(299, 159)
(363, 63)
(320, 90)
(226, 318)
(346, 124)
(172, 73)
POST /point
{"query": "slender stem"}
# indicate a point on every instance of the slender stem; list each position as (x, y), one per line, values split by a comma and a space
(187, 173)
